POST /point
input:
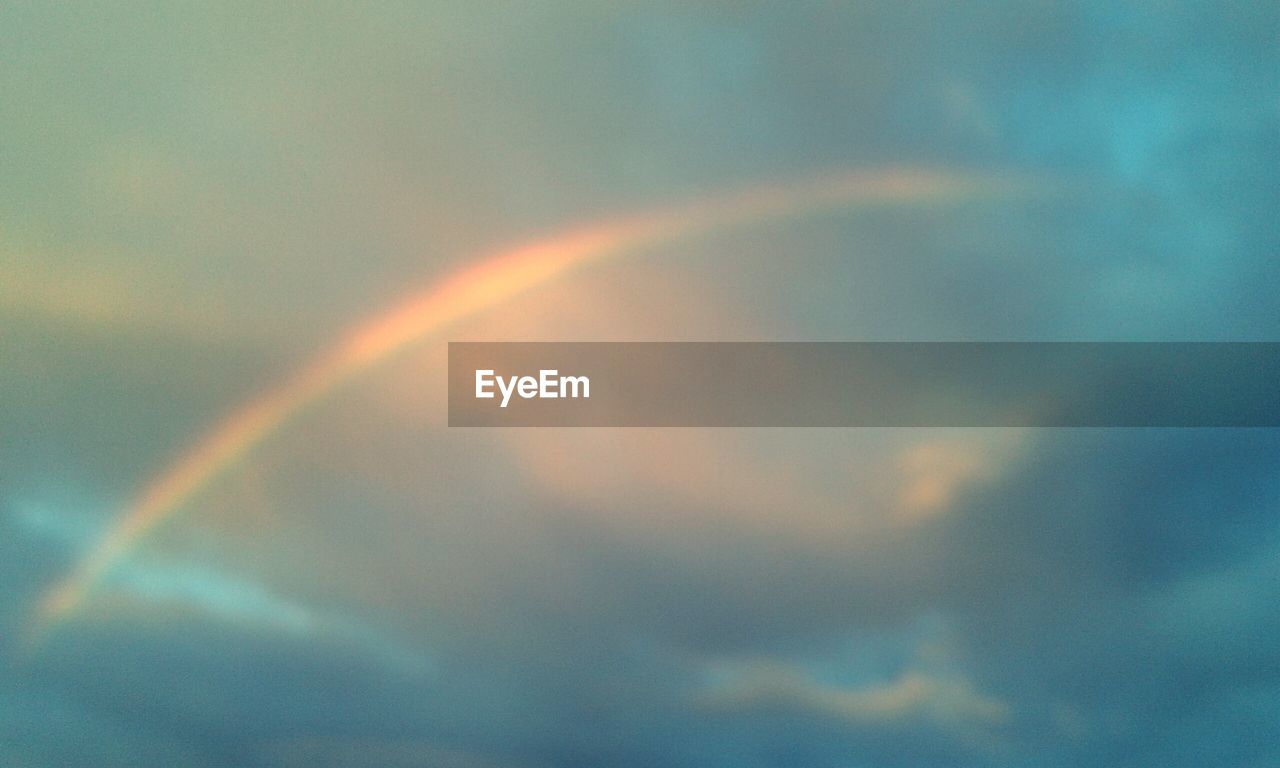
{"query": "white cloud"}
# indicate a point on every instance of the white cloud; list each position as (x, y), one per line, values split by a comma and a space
(947, 702)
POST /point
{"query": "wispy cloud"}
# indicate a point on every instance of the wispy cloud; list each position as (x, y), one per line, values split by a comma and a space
(145, 586)
(949, 702)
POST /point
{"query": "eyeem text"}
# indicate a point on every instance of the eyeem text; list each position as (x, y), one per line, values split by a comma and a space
(548, 384)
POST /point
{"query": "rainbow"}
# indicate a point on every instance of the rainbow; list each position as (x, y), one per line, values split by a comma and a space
(490, 281)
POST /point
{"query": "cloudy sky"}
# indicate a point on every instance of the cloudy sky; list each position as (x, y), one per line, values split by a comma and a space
(199, 201)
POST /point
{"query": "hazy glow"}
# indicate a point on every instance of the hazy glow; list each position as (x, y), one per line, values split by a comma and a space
(492, 280)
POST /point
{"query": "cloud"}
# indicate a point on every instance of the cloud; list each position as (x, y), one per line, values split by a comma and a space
(40, 728)
(1109, 596)
(146, 589)
(935, 470)
(329, 752)
(912, 697)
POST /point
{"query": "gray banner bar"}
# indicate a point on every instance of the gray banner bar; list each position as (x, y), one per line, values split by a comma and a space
(864, 384)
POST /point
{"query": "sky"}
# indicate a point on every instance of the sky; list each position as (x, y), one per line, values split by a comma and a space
(198, 202)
